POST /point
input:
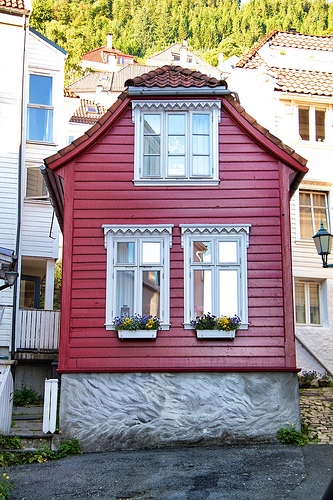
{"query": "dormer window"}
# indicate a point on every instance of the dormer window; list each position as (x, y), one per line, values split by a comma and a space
(176, 142)
(92, 109)
(176, 57)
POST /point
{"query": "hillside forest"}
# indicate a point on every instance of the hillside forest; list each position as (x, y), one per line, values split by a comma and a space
(142, 27)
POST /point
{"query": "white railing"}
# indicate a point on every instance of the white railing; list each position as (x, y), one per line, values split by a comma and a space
(6, 398)
(39, 329)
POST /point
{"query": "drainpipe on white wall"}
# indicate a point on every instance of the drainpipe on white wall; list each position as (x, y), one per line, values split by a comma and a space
(20, 186)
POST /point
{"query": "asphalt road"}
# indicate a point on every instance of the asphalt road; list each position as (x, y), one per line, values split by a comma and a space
(251, 472)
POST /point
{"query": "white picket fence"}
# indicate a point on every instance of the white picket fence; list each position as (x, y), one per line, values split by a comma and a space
(6, 398)
(39, 329)
(50, 405)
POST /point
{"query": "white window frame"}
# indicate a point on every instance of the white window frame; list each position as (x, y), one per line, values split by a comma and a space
(312, 122)
(227, 232)
(312, 190)
(43, 106)
(139, 234)
(307, 284)
(163, 108)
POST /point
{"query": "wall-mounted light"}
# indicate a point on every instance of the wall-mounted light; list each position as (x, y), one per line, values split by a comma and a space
(10, 278)
(323, 242)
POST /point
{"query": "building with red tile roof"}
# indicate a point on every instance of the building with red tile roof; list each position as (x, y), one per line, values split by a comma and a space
(286, 82)
(106, 58)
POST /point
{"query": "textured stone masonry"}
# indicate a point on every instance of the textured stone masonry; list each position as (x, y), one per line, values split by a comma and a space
(317, 413)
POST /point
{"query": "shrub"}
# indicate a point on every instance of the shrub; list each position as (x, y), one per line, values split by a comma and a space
(289, 435)
(5, 487)
(26, 397)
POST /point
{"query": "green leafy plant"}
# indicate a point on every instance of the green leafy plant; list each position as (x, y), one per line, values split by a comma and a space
(137, 322)
(5, 487)
(211, 322)
(289, 435)
(10, 443)
(26, 397)
(43, 454)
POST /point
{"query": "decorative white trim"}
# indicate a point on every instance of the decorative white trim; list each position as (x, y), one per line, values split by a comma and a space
(136, 230)
(137, 334)
(174, 105)
(176, 182)
(215, 334)
(213, 229)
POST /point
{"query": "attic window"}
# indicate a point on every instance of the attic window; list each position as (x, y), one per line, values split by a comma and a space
(92, 109)
(176, 142)
(311, 122)
(176, 57)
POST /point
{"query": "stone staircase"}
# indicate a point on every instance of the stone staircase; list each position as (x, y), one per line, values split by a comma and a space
(28, 426)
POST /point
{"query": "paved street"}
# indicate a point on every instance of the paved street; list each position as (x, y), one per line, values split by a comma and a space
(253, 472)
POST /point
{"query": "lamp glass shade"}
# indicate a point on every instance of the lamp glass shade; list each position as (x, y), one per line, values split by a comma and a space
(11, 277)
(323, 241)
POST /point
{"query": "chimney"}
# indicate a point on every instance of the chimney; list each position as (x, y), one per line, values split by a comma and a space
(185, 43)
(109, 40)
(183, 55)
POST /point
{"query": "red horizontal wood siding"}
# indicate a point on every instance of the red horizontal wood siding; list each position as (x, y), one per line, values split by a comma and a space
(103, 193)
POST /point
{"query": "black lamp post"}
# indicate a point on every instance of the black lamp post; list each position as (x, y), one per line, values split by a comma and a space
(323, 242)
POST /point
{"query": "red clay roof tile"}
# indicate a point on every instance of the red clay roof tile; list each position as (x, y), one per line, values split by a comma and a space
(13, 4)
(174, 76)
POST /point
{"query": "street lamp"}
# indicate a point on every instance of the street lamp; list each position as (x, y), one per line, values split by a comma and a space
(323, 242)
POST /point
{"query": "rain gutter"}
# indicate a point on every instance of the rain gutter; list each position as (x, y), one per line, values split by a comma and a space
(171, 91)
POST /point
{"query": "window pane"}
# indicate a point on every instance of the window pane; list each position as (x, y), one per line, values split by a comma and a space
(40, 90)
(152, 124)
(228, 292)
(227, 251)
(200, 124)
(152, 144)
(151, 252)
(320, 125)
(305, 198)
(300, 303)
(306, 222)
(125, 293)
(201, 145)
(314, 304)
(319, 199)
(202, 281)
(40, 124)
(125, 252)
(176, 165)
(303, 117)
(201, 165)
(320, 215)
(176, 124)
(151, 166)
(202, 251)
(176, 145)
(151, 293)
(35, 182)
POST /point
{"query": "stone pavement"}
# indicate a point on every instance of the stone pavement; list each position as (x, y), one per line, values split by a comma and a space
(316, 406)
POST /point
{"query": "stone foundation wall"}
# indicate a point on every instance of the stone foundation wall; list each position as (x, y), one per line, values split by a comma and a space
(111, 411)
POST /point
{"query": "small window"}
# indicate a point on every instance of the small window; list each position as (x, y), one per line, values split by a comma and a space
(313, 208)
(40, 109)
(92, 109)
(176, 57)
(307, 303)
(176, 142)
(138, 272)
(311, 122)
(35, 183)
(215, 271)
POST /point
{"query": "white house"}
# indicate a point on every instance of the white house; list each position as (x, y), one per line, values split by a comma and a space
(32, 126)
(286, 82)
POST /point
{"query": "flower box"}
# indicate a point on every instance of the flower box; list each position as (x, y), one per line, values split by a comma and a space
(216, 334)
(137, 334)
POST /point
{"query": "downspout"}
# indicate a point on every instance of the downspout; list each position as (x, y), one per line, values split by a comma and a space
(20, 184)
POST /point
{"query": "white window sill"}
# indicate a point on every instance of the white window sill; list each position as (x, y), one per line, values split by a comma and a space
(314, 144)
(112, 328)
(176, 182)
(43, 143)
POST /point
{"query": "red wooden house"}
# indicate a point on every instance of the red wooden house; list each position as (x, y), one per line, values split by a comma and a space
(175, 204)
